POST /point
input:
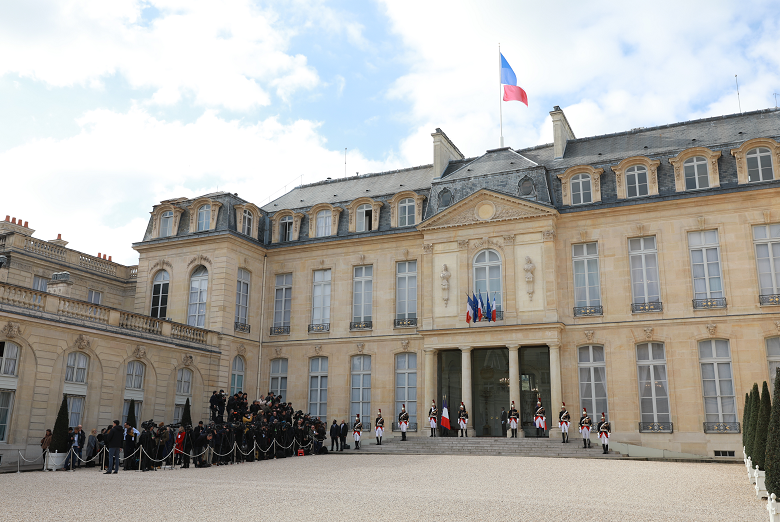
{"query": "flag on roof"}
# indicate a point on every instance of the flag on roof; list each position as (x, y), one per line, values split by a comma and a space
(509, 80)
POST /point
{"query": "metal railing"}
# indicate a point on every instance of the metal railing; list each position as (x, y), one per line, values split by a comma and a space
(712, 302)
(241, 327)
(280, 330)
(769, 299)
(322, 327)
(405, 323)
(655, 306)
(361, 325)
(656, 427)
(721, 427)
(581, 311)
(412, 426)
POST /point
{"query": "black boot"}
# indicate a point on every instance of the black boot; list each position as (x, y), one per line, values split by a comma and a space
(589, 443)
(563, 438)
(584, 443)
(466, 431)
(431, 432)
(606, 449)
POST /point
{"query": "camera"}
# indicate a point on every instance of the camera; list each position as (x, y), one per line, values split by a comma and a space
(148, 424)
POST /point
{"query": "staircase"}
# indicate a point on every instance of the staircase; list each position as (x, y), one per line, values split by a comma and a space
(527, 447)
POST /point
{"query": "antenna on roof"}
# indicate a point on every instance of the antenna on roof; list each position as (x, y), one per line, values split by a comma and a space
(345, 162)
(776, 95)
(739, 102)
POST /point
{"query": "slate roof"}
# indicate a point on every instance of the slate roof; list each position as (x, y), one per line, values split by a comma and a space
(493, 161)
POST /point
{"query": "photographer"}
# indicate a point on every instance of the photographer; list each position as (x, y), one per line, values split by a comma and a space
(161, 439)
(148, 445)
(214, 405)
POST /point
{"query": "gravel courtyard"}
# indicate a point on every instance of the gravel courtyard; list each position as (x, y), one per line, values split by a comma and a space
(371, 487)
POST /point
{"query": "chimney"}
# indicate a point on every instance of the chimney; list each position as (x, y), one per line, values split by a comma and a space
(109, 258)
(25, 225)
(562, 132)
(98, 255)
(13, 220)
(443, 152)
(59, 241)
(8, 218)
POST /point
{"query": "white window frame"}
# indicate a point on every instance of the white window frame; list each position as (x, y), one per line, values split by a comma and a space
(362, 293)
(243, 284)
(178, 412)
(634, 181)
(581, 189)
(318, 388)
(126, 411)
(406, 290)
(6, 412)
(650, 389)
(591, 402)
(134, 379)
(246, 222)
(79, 415)
(484, 281)
(204, 217)
(694, 166)
(766, 241)
(320, 302)
(773, 358)
(406, 212)
(184, 381)
(40, 284)
(363, 218)
(406, 393)
(198, 295)
(160, 287)
(722, 397)
(643, 263)
(360, 388)
(324, 219)
(166, 224)
(9, 358)
(77, 368)
(282, 300)
(278, 378)
(94, 297)
(585, 264)
(705, 249)
(762, 156)
(237, 373)
(286, 228)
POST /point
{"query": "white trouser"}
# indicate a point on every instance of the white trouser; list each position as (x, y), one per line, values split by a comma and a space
(403, 426)
(356, 436)
(513, 424)
(604, 438)
(564, 427)
(462, 423)
(585, 432)
(380, 432)
(433, 423)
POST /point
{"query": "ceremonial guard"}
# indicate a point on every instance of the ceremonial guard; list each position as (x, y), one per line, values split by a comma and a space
(403, 421)
(563, 422)
(539, 419)
(379, 427)
(513, 416)
(432, 413)
(463, 420)
(604, 431)
(357, 429)
(585, 425)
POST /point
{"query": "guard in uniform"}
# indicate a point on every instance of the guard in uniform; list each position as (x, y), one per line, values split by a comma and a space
(585, 425)
(379, 426)
(432, 413)
(463, 420)
(563, 422)
(403, 421)
(540, 421)
(513, 416)
(357, 429)
(604, 431)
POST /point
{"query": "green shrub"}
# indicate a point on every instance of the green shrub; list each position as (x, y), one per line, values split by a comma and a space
(759, 442)
(772, 458)
(745, 418)
(59, 436)
(755, 400)
(186, 416)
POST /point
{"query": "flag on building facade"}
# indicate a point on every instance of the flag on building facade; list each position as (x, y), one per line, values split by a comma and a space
(493, 308)
(445, 415)
(488, 314)
(509, 80)
(469, 309)
(480, 307)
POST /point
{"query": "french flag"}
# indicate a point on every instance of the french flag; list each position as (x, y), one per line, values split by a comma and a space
(493, 308)
(508, 78)
(469, 310)
(445, 415)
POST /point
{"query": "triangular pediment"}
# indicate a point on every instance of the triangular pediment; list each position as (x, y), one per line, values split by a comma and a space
(486, 206)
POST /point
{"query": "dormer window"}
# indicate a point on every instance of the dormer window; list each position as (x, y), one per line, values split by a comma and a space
(363, 218)
(445, 198)
(581, 190)
(696, 175)
(636, 181)
(406, 212)
(166, 224)
(286, 228)
(527, 189)
(204, 217)
(759, 163)
(246, 223)
(323, 223)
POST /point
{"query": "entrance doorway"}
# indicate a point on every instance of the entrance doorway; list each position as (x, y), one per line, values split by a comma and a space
(489, 390)
(450, 381)
(535, 382)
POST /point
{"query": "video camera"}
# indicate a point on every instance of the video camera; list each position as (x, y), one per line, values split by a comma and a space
(147, 425)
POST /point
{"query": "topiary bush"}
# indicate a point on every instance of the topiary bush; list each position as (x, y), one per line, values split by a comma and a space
(59, 436)
(186, 416)
(772, 456)
(755, 399)
(745, 418)
(759, 442)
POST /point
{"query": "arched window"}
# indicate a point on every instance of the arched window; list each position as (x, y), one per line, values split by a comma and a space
(199, 282)
(204, 217)
(406, 212)
(636, 181)
(9, 355)
(696, 176)
(527, 189)
(318, 388)
(184, 382)
(237, 375)
(242, 296)
(246, 222)
(76, 370)
(759, 162)
(286, 228)
(363, 218)
(361, 388)
(166, 224)
(323, 223)
(135, 375)
(445, 198)
(160, 295)
(278, 385)
(487, 276)
(580, 190)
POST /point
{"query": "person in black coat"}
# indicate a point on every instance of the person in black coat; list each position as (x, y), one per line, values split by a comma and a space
(147, 442)
(335, 433)
(114, 440)
(344, 429)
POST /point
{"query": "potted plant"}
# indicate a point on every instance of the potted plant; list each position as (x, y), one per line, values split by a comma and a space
(58, 449)
(759, 440)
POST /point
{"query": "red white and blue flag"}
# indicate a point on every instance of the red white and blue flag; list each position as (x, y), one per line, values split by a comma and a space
(445, 415)
(480, 307)
(469, 309)
(509, 80)
(493, 307)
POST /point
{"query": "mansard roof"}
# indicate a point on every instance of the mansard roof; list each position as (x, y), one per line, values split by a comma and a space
(492, 162)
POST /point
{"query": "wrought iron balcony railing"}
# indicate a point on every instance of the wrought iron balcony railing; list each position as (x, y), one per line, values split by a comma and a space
(721, 427)
(405, 323)
(361, 325)
(242, 327)
(655, 306)
(322, 327)
(581, 311)
(712, 302)
(769, 299)
(280, 330)
(656, 427)
(412, 426)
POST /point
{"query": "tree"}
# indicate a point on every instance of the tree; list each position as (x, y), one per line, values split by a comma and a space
(131, 413)
(772, 458)
(186, 416)
(59, 437)
(759, 441)
(751, 425)
(745, 419)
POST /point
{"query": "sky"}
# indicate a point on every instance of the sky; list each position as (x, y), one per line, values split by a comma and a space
(107, 108)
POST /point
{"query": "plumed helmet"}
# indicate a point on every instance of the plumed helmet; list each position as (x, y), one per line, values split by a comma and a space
(403, 406)
(584, 410)
(380, 411)
(357, 415)
(603, 415)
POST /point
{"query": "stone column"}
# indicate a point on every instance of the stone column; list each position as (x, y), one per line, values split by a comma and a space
(465, 391)
(430, 390)
(514, 382)
(556, 394)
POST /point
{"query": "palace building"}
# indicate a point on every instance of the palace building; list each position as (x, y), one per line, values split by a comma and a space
(635, 274)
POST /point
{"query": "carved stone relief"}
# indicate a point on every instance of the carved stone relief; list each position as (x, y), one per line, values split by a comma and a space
(405, 345)
(83, 342)
(318, 349)
(427, 248)
(445, 285)
(241, 350)
(12, 329)
(139, 352)
(360, 347)
(648, 333)
(589, 335)
(529, 277)
(548, 235)
(712, 328)
(187, 360)
(463, 244)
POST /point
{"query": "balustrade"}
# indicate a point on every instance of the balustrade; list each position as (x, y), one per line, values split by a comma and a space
(44, 248)
(22, 297)
(82, 310)
(97, 265)
(140, 323)
(188, 333)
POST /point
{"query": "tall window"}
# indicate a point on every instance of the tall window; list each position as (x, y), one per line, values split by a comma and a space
(653, 391)
(580, 190)
(773, 357)
(636, 181)
(242, 296)
(94, 297)
(593, 380)
(320, 303)
(360, 398)
(183, 381)
(406, 290)
(318, 388)
(696, 176)
(160, 295)
(178, 411)
(286, 228)
(75, 410)
(445, 198)
(282, 300)
(363, 218)
(587, 291)
(759, 162)
(487, 276)
(527, 189)
(323, 223)
(76, 369)
(6, 403)
(362, 293)
(237, 375)
(135, 375)
(166, 224)
(643, 257)
(767, 241)
(126, 411)
(716, 381)
(246, 222)
(204, 217)
(40, 284)
(279, 378)
(406, 384)
(406, 212)
(9, 356)
(705, 264)
(199, 282)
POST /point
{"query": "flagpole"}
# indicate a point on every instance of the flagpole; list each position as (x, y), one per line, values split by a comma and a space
(500, 108)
